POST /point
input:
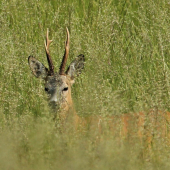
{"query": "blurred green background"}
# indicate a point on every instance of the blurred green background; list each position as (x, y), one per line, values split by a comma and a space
(126, 46)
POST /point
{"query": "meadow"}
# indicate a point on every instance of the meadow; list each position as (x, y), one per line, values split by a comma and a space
(126, 46)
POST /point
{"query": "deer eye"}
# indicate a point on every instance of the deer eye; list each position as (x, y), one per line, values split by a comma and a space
(46, 89)
(65, 89)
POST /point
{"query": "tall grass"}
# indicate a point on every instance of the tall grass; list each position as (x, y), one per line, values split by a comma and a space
(126, 45)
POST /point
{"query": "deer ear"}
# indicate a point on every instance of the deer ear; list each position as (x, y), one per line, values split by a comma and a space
(76, 67)
(37, 68)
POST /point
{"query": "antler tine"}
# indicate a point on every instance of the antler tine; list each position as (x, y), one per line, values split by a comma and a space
(67, 47)
(50, 63)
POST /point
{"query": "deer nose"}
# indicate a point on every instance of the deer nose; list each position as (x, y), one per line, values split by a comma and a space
(46, 89)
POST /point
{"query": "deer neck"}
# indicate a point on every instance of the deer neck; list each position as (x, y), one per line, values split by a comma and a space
(66, 110)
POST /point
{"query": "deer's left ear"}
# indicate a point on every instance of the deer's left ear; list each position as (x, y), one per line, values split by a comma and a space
(76, 67)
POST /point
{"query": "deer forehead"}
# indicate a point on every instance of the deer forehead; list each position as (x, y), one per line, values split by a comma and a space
(57, 80)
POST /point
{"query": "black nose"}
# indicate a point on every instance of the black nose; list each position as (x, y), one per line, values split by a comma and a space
(46, 89)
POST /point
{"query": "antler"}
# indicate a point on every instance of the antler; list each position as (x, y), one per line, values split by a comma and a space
(63, 64)
(50, 63)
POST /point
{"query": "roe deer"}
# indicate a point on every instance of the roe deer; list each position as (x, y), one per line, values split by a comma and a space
(58, 88)
(58, 85)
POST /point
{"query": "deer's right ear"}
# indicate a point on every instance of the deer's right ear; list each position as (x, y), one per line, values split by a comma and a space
(37, 68)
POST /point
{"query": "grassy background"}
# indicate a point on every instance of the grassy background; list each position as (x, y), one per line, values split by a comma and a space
(126, 45)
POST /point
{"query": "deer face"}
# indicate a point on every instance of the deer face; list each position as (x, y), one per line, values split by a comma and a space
(58, 85)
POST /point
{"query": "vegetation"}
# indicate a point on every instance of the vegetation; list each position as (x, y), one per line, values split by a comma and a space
(126, 45)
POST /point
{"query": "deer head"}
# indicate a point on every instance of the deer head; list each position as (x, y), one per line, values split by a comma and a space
(58, 85)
